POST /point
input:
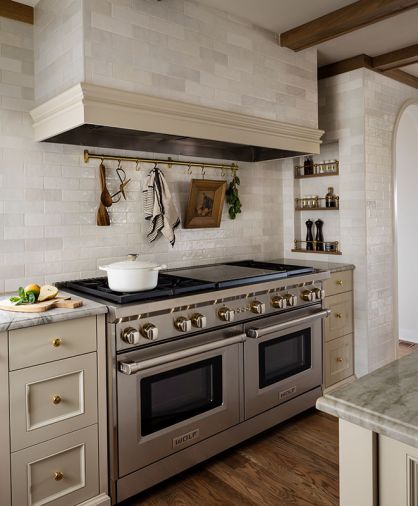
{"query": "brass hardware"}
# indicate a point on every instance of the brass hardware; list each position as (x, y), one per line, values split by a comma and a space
(130, 335)
(319, 170)
(226, 314)
(56, 342)
(318, 293)
(58, 476)
(183, 324)
(339, 359)
(258, 307)
(198, 320)
(278, 302)
(56, 399)
(306, 295)
(307, 203)
(338, 315)
(339, 282)
(291, 300)
(149, 331)
(169, 163)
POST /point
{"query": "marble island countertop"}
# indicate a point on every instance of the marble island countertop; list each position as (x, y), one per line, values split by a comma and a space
(11, 320)
(384, 401)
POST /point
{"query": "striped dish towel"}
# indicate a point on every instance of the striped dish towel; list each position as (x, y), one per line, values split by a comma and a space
(159, 207)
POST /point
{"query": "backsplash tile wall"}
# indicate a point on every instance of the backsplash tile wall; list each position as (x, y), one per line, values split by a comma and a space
(48, 198)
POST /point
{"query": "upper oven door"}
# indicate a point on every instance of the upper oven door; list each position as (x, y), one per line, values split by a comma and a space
(283, 359)
(171, 401)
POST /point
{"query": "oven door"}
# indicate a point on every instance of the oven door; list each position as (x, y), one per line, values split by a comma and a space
(169, 402)
(282, 358)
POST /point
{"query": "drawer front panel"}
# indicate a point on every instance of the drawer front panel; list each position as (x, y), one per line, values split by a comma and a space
(338, 360)
(60, 472)
(340, 321)
(339, 282)
(52, 399)
(53, 341)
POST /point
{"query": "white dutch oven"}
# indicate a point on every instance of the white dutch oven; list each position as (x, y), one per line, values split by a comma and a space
(132, 275)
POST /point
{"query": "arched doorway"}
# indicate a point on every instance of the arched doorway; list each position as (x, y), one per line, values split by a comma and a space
(406, 222)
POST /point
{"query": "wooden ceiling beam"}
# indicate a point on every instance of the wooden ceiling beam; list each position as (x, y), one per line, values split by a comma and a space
(342, 66)
(15, 10)
(396, 59)
(402, 77)
(347, 19)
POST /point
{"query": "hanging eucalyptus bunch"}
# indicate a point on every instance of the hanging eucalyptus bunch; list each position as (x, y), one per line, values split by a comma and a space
(232, 197)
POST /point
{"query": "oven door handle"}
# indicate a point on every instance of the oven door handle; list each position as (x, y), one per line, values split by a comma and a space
(134, 367)
(255, 333)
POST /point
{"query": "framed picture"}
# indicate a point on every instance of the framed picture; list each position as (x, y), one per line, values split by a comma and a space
(206, 201)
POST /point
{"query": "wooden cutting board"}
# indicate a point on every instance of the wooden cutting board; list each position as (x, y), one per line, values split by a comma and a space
(40, 307)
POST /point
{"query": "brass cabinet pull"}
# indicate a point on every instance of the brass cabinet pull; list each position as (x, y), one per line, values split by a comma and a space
(56, 399)
(339, 359)
(338, 315)
(339, 282)
(56, 342)
(58, 476)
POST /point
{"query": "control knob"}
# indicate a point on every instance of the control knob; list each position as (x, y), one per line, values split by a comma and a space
(258, 307)
(307, 295)
(318, 293)
(149, 331)
(278, 302)
(130, 335)
(226, 314)
(291, 300)
(183, 324)
(199, 321)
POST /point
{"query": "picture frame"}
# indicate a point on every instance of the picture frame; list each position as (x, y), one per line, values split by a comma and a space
(205, 204)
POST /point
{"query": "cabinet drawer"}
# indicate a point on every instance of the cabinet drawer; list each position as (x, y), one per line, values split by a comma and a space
(60, 472)
(49, 400)
(339, 282)
(53, 341)
(340, 321)
(338, 359)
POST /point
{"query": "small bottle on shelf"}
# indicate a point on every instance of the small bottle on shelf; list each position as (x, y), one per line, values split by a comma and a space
(308, 166)
(330, 198)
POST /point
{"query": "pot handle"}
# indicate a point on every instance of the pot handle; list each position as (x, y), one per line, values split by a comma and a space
(103, 267)
(160, 267)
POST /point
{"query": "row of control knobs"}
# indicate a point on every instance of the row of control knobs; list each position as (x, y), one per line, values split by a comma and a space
(182, 324)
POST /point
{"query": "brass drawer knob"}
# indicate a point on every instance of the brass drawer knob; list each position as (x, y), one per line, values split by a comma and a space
(56, 399)
(339, 359)
(56, 342)
(338, 315)
(58, 476)
(340, 282)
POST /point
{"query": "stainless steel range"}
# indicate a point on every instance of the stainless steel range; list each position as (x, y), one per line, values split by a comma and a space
(213, 355)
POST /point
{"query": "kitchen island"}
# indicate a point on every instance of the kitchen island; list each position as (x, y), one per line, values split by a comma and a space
(378, 435)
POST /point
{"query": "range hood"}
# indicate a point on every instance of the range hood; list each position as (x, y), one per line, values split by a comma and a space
(92, 115)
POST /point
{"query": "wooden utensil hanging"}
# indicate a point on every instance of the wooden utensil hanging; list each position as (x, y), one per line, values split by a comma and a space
(102, 218)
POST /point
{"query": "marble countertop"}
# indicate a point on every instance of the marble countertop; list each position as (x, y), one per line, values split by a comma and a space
(322, 266)
(384, 401)
(10, 320)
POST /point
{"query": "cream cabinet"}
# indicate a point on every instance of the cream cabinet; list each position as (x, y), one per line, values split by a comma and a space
(55, 400)
(338, 328)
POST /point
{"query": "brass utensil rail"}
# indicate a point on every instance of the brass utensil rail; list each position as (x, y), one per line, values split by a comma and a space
(169, 162)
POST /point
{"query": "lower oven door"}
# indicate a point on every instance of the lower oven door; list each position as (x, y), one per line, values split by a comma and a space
(282, 358)
(172, 401)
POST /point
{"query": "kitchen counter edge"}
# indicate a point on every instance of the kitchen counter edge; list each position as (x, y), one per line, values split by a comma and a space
(370, 410)
(12, 321)
(321, 266)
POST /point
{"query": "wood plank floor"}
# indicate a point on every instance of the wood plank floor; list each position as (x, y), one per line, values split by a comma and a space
(296, 463)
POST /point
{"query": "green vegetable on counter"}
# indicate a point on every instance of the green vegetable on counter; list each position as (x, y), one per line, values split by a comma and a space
(24, 297)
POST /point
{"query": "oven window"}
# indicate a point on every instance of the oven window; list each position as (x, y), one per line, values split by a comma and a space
(173, 396)
(284, 357)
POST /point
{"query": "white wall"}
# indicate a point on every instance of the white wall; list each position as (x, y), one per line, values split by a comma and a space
(49, 197)
(407, 213)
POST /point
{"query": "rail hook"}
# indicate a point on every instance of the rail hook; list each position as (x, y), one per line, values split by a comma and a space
(203, 171)
(189, 170)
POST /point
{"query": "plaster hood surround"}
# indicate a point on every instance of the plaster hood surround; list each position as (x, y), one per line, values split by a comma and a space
(91, 115)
